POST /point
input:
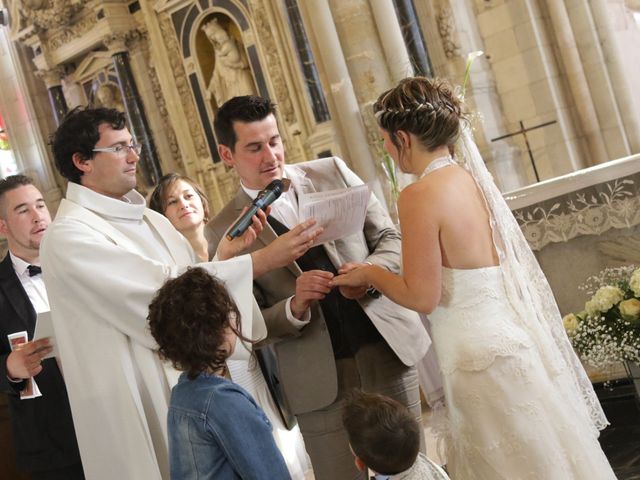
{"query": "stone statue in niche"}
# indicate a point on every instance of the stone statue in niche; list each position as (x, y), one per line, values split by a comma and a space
(108, 96)
(231, 73)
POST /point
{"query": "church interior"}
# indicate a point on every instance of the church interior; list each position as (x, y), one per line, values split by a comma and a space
(549, 85)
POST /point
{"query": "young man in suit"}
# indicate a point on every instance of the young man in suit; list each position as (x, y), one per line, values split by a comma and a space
(43, 432)
(326, 341)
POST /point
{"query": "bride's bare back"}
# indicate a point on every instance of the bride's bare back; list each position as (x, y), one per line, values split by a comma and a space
(465, 233)
(444, 222)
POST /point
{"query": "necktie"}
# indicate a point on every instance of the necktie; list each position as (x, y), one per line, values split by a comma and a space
(34, 270)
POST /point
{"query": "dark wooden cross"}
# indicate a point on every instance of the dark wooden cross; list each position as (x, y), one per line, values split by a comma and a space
(523, 131)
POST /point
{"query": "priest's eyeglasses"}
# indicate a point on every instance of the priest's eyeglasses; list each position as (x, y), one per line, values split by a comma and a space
(121, 150)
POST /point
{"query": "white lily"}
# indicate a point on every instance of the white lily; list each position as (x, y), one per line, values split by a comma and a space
(470, 58)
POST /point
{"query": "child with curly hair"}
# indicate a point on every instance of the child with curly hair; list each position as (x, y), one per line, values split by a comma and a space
(216, 429)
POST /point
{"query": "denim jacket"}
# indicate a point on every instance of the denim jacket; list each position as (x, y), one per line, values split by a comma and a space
(217, 431)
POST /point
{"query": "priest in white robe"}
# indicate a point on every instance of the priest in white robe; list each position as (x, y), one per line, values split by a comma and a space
(103, 259)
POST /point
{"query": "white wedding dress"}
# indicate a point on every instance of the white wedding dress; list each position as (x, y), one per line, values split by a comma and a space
(290, 443)
(507, 417)
(514, 407)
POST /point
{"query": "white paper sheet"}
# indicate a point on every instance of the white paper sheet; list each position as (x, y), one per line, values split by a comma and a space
(31, 389)
(339, 212)
(44, 329)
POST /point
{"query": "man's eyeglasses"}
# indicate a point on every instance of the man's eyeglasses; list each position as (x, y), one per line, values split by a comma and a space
(121, 150)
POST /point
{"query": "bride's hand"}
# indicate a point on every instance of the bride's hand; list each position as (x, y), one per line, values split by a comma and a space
(230, 248)
(353, 278)
(353, 292)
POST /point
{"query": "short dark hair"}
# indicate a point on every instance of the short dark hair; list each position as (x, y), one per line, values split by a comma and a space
(78, 133)
(246, 108)
(10, 183)
(158, 198)
(382, 432)
(188, 318)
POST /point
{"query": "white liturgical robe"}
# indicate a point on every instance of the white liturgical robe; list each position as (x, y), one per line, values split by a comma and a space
(103, 261)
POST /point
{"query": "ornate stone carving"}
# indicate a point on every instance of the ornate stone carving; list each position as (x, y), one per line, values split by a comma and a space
(590, 211)
(77, 30)
(161, 104)
(116, 42)
(265, 33)
(44, 14)
(182, 85)
(228, 181)
(447, 31)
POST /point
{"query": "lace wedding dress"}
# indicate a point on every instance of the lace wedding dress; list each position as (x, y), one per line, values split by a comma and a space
(514, 405)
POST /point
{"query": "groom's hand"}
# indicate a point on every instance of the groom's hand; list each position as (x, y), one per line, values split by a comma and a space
(310, 286)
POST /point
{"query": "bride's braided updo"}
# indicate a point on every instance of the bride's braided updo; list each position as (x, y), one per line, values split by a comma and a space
(427, 108)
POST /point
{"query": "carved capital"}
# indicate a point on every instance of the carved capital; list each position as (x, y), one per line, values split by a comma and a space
(124, 41)
(51, 78)
(116, 42)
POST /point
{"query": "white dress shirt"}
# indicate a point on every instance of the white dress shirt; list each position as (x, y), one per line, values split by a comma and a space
(33, 286)
(285, 210)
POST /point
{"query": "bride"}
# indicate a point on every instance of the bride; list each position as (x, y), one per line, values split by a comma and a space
(519, 405)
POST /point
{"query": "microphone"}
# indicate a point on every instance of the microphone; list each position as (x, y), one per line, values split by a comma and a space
(265, 198)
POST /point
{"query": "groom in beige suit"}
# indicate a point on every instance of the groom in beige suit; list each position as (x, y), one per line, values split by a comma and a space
(326, 342)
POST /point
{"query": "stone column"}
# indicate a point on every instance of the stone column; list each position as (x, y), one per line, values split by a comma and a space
(587, 117)
(134, 107)
(395, 50)
(413, 37)
(574, 158)
(347, 117)
(53, 82)
(608, 20)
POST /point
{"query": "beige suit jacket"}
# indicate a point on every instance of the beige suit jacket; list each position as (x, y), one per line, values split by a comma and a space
(305, 357)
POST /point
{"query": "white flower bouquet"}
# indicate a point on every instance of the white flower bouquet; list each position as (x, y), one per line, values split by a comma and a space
(608, 329)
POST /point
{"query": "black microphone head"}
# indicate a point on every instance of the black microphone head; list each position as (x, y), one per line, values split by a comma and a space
(276, 186)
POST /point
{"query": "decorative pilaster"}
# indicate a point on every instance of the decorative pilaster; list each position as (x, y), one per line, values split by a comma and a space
(138, 122)
(53, 82)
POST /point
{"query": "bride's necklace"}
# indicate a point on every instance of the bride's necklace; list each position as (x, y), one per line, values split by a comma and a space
(438, 163)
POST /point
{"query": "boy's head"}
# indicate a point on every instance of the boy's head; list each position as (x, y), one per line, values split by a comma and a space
(195, 322)
(383, 434)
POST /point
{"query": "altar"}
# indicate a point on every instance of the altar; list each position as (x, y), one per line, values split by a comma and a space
(580, 223)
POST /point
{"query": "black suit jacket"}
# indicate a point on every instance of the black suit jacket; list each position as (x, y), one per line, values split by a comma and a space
(43, 433)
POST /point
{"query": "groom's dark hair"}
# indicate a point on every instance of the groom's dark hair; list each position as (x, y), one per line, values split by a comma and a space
(245, 108)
